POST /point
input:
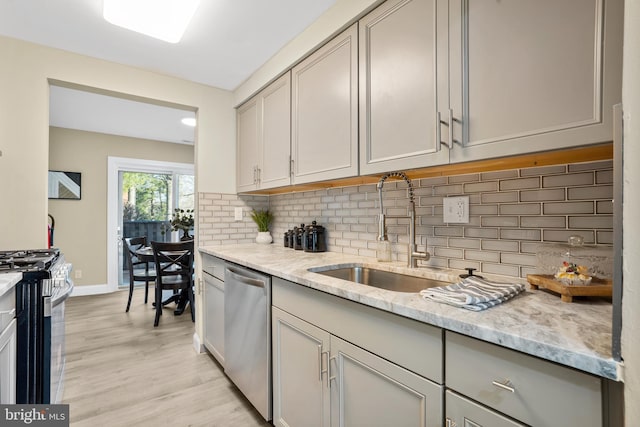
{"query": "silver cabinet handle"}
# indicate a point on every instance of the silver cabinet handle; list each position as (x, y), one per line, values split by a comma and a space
(451, 423)
(259, 174)
(331, 377)
(291, 166)
(11, 312)
(451, 121)
(505, 385)
(439, 141)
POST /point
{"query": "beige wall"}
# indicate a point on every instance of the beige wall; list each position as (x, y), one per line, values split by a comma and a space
(24, 128)
(631, 212)
(81, 226)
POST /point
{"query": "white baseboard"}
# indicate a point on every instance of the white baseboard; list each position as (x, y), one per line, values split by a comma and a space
(79, 291)
(197, 345)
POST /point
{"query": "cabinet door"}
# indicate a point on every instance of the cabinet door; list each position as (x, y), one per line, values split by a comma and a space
(300, 380)
(529, 76)
(462, 412)
(8, 364)
(367, 390)
(400, 74)
(325, 111)
(248, 123)
(274, 170)
(214, 316)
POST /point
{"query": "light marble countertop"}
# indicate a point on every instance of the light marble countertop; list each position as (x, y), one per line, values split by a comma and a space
(8, 281)
(574, 334)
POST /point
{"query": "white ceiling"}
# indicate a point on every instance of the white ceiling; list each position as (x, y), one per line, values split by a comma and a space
(226, 41)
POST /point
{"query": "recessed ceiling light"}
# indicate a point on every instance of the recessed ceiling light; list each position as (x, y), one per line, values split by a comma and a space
(189, 121)
(162, 19)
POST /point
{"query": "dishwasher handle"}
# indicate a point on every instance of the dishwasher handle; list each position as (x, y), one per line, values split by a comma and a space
(244, 279)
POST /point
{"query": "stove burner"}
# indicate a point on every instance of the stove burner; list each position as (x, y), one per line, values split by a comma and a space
(27, 260)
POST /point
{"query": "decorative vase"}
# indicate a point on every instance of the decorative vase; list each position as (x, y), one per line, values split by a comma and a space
(185, 235)
(264, 237)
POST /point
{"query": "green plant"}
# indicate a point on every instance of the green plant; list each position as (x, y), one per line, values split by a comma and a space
(262, 218)
(182, 219)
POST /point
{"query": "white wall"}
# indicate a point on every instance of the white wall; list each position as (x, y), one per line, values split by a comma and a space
(24, 128)
(631, 212)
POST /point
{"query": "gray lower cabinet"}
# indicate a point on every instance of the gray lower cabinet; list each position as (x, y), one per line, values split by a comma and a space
(367, 390)
(213, 278)
(462, 412)
(321, 379)
(531, 390)
(300, 381)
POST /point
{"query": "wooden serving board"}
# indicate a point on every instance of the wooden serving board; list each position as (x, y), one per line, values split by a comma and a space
(597, 288)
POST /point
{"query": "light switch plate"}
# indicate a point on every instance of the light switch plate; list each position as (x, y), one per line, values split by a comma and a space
(456, 210)
(238, 214)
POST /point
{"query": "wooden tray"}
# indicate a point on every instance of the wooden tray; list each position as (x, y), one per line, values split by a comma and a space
(597, 288)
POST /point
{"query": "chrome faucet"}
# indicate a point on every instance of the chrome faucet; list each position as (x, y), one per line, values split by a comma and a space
(414, 255)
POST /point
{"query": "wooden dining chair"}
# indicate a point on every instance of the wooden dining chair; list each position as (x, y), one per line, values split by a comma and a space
(174, 271)
(139, 270)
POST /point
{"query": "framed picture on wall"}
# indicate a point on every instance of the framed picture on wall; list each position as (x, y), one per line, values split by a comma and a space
(65, 185)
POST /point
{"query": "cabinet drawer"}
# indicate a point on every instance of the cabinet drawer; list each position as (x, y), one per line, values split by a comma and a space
(411, 344)
(214, 266)
(542, 393)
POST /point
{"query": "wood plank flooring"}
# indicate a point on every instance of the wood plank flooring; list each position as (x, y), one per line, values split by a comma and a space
(121, 371)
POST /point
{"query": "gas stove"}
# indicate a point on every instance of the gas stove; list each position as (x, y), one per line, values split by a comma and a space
(26, 261)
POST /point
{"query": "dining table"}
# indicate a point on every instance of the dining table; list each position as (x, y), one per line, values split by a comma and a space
(145, 253)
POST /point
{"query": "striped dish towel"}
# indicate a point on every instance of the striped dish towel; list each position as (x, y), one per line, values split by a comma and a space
(474, 293)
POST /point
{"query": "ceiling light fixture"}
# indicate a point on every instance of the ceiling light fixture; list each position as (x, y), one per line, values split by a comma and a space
(189, 121)
(162, 19)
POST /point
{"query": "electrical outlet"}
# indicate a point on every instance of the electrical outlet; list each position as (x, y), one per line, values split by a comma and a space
(78, 274)
(238, 214)
(456, 210)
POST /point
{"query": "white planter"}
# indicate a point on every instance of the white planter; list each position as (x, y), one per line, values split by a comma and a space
(264, 237)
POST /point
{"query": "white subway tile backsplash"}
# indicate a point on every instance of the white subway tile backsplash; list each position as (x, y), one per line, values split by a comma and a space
(510, 215)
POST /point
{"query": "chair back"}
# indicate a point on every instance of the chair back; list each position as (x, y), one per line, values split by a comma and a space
(174, 263)
(132, 244)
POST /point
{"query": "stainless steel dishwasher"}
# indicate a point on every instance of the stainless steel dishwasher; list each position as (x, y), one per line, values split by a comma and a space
(247, 334)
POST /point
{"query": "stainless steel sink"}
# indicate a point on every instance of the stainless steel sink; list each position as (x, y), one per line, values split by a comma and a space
(380, 279)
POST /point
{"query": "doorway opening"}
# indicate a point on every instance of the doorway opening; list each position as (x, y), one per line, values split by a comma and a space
(142, 195)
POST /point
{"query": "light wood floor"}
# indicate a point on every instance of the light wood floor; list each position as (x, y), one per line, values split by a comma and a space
(121, 371)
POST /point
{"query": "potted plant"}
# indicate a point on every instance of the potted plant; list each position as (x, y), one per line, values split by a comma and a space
(182, 219)
(262, 218)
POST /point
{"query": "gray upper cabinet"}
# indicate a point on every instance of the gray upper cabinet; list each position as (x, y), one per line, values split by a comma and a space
(248, 142)
(264, 138)
(403, 85)
(325, 111)
(532, 76)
